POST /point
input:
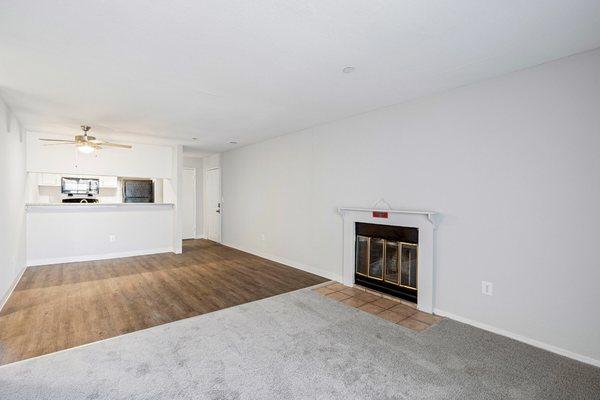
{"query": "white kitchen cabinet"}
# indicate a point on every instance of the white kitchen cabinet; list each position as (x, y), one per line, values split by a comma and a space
(49, 179)
(54, 180)
(108, 182)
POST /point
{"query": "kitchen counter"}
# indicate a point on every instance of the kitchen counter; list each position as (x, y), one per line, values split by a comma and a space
(79, 206)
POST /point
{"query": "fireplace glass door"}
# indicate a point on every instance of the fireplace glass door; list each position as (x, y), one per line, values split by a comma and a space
(376, 260)
(362, 255)
(409, 265)
(391, 262)
(387, 265)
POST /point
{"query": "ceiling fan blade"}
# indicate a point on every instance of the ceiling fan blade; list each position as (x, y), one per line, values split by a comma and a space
(57, 144)
(58, 140)
(107, 144)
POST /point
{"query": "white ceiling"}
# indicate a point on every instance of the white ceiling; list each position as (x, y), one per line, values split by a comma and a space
(248, 70)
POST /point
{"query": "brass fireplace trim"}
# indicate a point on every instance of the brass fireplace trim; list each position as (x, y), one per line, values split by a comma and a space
(368, 258)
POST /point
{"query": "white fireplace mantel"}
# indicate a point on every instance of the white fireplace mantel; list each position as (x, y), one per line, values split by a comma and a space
(432, 216)
(425, 221)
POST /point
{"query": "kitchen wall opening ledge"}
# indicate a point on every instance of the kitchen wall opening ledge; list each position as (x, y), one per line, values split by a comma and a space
(92, 206)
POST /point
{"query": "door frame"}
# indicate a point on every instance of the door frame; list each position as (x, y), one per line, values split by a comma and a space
(195, 190)
(206, 205)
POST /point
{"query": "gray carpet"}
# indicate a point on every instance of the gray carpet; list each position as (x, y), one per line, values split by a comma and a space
(300, 345)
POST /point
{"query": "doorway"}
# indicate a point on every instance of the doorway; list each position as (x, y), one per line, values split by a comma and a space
(189, 204)
(213, 204)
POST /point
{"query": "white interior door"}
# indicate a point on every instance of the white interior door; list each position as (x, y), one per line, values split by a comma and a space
(188, 222)
(213, 204)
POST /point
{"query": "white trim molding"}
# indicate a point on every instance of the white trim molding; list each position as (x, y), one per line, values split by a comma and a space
(425, 221)
(12, 288)
(53, 207)
(105, 256)
(294, 264)
(520, 338)
(195, 189)
(432, 216)
(206, 206)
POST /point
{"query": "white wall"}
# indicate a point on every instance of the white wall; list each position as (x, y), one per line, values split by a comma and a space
(513, 165)
(198, 164)
(12, 200)
(142, 160)
(212, 161)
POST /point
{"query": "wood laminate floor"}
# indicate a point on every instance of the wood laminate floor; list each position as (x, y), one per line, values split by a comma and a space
(56, 307)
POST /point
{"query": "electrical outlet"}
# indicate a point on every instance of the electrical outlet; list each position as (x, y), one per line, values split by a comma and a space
(487, 288)
(112, 238)
(263, 237)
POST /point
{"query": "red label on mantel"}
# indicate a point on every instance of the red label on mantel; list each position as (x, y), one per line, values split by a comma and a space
(380, 214)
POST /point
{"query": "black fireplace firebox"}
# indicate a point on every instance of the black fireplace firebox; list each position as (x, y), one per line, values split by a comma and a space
(387, 259)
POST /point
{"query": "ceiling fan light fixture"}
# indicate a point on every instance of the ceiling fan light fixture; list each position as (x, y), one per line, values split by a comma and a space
(86, 148)
(85, 143)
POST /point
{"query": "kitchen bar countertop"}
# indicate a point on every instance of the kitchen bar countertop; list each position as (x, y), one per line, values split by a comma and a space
(57, 206)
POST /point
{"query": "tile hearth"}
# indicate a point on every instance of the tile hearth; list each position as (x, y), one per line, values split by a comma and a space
(394, 310)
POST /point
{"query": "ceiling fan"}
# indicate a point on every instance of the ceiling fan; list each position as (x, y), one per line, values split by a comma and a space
(86, 144)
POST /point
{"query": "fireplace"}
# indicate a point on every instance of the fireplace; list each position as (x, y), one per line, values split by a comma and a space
(387, 259)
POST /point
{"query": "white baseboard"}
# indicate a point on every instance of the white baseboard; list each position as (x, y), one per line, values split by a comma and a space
(12, 288)
(317, 271)
(93, 257)
(486, 327)
(197, 236)
(520, 338)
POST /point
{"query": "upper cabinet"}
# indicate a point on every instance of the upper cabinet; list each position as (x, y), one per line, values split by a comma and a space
(48, 180)
(54, 180)
(108, 182)
(143, 160)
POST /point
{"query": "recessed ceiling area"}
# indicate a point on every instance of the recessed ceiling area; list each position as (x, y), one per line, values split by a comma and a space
(236, 71)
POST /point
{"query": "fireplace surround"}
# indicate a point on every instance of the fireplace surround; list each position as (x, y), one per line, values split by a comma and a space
(425, 222)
